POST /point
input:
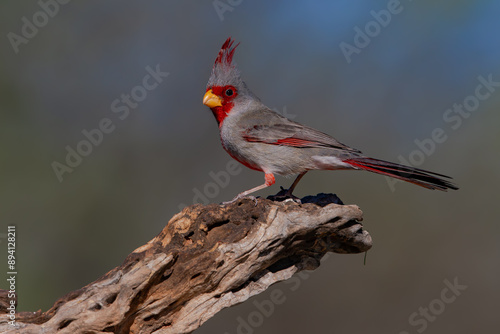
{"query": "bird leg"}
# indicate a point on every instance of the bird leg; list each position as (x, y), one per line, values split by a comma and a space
(286, 194)
(270, 180)
(294, 184)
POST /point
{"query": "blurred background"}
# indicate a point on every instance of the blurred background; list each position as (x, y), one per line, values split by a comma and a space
(380, 76)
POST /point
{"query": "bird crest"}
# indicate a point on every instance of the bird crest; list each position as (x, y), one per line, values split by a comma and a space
(225, 56)
(224, 71)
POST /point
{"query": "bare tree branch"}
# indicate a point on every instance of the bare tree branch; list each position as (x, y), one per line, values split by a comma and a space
(207, 258)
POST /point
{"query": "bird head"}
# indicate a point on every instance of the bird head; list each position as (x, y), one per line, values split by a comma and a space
(225, 87)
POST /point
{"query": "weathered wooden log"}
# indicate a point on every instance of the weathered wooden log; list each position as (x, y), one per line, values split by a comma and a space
(206, 258)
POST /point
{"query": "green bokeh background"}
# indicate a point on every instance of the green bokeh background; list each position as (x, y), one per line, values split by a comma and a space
(393, 92)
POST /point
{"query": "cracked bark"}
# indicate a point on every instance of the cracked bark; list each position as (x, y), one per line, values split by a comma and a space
(206, 258)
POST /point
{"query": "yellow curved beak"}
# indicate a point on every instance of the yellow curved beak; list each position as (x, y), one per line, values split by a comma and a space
(211, 100)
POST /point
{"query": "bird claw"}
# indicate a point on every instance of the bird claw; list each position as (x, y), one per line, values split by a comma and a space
(240, 197)
(284, 196)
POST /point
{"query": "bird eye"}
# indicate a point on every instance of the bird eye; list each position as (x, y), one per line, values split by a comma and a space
(229, 92)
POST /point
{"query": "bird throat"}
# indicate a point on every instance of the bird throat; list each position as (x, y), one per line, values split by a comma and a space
(220, 113)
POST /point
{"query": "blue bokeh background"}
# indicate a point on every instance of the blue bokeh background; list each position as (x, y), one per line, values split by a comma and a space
(395, 91)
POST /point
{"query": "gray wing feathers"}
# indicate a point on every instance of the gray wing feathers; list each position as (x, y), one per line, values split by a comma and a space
(278, 130)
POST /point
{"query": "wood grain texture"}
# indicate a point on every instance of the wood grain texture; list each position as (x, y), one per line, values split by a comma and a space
(208, 257)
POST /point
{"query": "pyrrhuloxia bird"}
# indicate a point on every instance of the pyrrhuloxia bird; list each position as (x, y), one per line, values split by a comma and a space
(263, 140)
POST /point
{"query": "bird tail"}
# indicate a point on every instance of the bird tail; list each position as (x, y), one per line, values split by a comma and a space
(420, 177)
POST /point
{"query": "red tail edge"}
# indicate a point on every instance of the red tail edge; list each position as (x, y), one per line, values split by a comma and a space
(417, 176)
